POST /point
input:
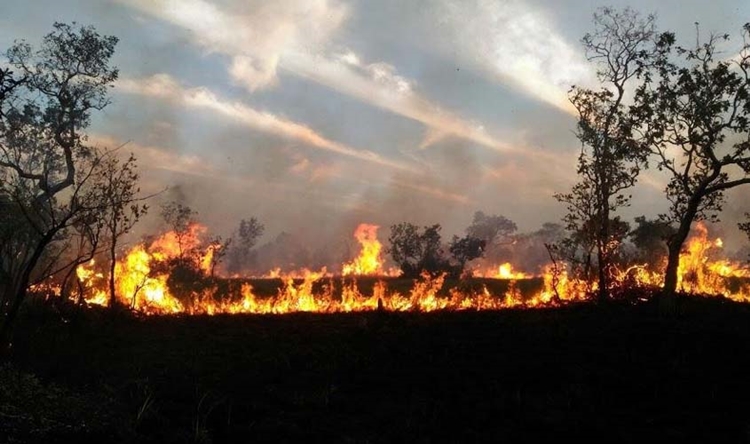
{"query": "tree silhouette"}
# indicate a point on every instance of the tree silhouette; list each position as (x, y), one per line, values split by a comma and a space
(610, 160)
(47, 96)
(693, 113)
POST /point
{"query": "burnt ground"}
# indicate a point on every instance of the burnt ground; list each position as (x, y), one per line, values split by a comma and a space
(620, 372)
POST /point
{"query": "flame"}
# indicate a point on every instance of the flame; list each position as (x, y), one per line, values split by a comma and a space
(368, 262)
(145, 284)
(701, 274)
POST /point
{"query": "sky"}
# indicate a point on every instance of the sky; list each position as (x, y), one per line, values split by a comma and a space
(316, 115)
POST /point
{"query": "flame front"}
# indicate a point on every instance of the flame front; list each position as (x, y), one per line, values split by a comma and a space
(369, 262)
(145, 284)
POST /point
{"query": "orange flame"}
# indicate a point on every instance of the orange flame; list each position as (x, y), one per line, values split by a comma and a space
(144, 283)
(368, 262)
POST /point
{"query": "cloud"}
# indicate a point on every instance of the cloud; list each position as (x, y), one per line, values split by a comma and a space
(163, 86)
(379, 84)
(254, 33)
(294, 36)
(157, 158)
(514, 42)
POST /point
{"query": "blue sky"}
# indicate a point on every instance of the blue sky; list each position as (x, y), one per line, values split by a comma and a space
(316, 115)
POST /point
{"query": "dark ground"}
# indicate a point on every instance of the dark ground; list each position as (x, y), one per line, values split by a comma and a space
(613, 373)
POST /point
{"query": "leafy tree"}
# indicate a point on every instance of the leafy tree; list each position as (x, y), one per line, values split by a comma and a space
(242, 243)
(179, 218)
(610, 160)
(416, 250)
(117, 183)
(466, 249)
(47, 96)
(650, 239)
(490, 228)
(693, 113)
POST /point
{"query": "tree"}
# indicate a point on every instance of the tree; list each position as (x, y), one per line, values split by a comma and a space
(650, 239)
(693, 113)
(47, 96)
(243, 241)
(490, 228)
(416, 250)
(117, 183)
(179, 218)
(466, 249)
(610, 160)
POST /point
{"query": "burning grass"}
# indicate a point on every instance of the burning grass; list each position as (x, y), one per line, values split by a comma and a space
(176, 275)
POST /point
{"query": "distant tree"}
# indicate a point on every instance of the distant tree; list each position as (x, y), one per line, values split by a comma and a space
(650, 239)
(610, 160)
(178, 218)
(46, 99)
(693, 112)
(242, 243)
(490, 228)
(498, 234)
(416, 250)
(466, 249)
(530, 251)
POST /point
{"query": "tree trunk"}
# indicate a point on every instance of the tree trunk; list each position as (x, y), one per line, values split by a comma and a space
(601, 258)
(20, 292)
(668, 299)
(112, 263)
(602, 255)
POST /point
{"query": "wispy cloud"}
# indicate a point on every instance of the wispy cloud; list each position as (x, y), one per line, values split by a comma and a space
(294, 36)
(514, 42)
(165, 87)
(158, 158)
(380, 85)
(254, 33)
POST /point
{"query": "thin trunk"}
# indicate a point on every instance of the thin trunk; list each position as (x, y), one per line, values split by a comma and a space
(20, 291)
(602, 255)
(112, 263)
(65, 287)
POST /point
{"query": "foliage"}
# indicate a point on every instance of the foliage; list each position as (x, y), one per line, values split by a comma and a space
(47, 96)
(244, 239)
(693, 113)
(179, 218)
(466, 249)
(650, 239)
(610, 159)
(490, 228)
(416, 250)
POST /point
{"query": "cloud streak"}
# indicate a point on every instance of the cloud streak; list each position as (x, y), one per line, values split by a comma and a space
(293, 35)
(513, 41)
(164, 87)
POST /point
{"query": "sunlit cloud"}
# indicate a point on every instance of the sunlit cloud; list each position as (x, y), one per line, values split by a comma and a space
(157, 158)
(163, 86)
(513, 42)
(293, 35)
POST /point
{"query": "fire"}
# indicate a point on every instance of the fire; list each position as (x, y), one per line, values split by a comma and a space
(369, 262)
(146, 281)
(699, 273)
(505, 271)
